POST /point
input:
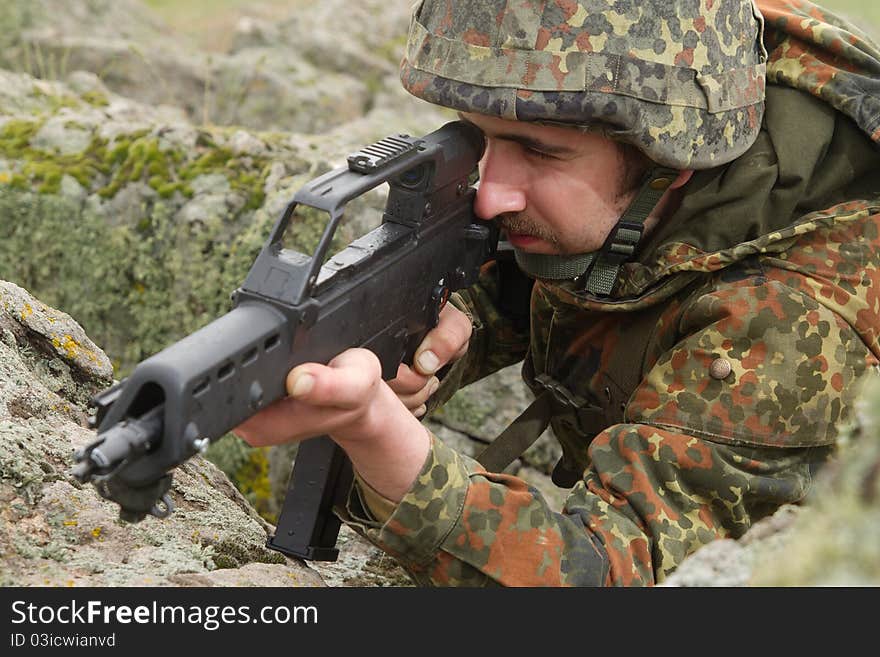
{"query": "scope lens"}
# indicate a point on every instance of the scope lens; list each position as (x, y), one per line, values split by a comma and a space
(413, 177)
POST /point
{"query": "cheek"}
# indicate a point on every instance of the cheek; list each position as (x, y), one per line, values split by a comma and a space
(573, 205)
(580, 218)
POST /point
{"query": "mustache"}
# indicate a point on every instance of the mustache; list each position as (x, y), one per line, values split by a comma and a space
(521, 224)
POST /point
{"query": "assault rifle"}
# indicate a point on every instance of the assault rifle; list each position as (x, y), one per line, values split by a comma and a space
(383, 292)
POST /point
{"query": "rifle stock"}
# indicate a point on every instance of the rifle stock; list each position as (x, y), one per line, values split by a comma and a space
(384, 292)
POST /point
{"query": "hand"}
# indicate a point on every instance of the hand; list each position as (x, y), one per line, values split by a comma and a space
(444, 344)
(347, 400)
(332, 399)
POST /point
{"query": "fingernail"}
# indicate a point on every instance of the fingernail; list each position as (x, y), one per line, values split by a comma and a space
(435, 383)
(420, 411)
(428, 362)
(303, 385)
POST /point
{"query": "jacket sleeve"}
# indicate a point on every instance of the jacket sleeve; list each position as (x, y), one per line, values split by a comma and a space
(649, 498)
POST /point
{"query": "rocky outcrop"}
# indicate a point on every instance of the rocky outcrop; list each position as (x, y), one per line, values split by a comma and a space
(292, 74)
(831, 539)
(55, 531)
(138, 218)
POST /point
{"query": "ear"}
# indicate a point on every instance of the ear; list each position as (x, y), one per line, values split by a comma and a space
(683, 176)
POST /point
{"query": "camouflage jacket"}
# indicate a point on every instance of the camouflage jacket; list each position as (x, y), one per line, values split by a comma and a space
(747, 324)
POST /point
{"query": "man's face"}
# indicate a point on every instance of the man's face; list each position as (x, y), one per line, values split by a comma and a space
(555, 190)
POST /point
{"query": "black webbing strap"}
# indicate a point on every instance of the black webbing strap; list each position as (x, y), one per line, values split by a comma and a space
(520, 435)
(554, 401)
(623, 240)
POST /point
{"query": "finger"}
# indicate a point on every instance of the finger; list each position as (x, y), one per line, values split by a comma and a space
(419, 398)
(445, 342)
(347, 382)
(408, 381)
(290, 420)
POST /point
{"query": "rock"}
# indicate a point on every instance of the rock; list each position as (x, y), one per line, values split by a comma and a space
(835, 540)
(52, 329)
(831, 539)
(55, 531)
(297, 76)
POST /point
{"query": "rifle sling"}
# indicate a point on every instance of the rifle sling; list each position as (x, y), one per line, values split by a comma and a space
(520, 435)
(623, 375)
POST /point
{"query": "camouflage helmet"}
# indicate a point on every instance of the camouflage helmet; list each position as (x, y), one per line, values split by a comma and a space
(682, 80)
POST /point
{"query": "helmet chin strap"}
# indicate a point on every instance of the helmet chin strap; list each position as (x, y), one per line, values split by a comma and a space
(599, 269)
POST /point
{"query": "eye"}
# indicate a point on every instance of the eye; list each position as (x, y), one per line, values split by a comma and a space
(531, 152)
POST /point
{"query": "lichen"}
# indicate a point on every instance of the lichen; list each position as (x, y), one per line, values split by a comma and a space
(228, 553)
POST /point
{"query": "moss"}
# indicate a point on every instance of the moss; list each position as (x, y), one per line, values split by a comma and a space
(107, 167)
(241, 179)
(231, 554)
(56, 102)
(95, 98)
(44, 170)
(16, 135)
(252, 479)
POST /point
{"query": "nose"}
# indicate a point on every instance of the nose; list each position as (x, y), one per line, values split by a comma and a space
(502, 184)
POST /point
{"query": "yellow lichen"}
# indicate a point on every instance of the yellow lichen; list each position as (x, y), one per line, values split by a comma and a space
(68, 345)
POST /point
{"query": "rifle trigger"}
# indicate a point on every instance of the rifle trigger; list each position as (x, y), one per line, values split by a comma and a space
(439, 297)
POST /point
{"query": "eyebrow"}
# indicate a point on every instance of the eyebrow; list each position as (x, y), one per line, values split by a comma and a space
(527, 142)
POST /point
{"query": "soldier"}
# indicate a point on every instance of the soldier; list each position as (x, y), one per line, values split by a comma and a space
(692, 185)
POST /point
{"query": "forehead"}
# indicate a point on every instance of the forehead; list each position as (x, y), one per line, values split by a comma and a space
(553, 139)
(494, 126)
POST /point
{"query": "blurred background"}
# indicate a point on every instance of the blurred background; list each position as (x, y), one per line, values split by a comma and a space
(210, 22)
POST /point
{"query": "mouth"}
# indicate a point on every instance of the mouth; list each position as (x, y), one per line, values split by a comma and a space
(521, 240)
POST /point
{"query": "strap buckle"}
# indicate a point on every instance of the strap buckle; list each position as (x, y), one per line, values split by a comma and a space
(587, 418)
(622, 242)
(561, 394)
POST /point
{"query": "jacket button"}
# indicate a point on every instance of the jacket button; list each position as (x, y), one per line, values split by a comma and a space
(720, 368)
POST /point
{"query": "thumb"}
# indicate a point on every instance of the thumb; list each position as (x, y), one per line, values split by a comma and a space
(444, 343)
(347, 381)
